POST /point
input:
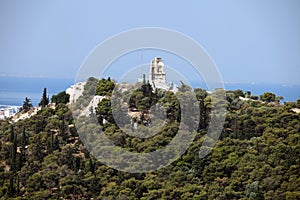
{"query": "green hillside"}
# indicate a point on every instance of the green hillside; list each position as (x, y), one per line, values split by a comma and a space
(256, 157)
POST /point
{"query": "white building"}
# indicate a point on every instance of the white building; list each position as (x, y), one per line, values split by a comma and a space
(8, 111)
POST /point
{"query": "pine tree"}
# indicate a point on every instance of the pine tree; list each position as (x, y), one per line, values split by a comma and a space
(27, 104)
(45, 100)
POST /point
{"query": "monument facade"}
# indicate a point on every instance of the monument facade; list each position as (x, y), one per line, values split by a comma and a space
(157, 73)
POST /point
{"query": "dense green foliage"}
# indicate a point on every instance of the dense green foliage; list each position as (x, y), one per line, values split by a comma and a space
(61, 97)
(105, 87)
(268, 97)
(257, 156)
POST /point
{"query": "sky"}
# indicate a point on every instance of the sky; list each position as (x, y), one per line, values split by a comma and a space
(250, 41)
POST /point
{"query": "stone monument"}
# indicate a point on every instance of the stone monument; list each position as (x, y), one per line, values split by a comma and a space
(157, 73)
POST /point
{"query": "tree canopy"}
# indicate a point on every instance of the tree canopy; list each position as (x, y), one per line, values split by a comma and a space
(256, 157)
(268, 97)
(61, 97)
(27, 105)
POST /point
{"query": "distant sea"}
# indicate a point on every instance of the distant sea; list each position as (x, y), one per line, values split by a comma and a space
(13, 90)
(289, 92)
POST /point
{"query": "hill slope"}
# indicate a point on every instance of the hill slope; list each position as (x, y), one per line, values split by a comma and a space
(257, 157)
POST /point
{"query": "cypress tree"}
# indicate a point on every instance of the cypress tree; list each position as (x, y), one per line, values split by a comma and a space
(18, 185)
(202, 119)
(12, 134)
(45, 100)
(11, 189)
(14, 153)
(91, 165)
(22, 157)
(24, 139)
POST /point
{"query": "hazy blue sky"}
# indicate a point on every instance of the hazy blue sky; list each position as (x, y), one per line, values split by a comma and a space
(250, 41)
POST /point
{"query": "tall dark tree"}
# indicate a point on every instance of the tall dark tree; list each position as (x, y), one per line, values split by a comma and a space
(201, 94)
(27, 104)
(11, 189)
(18, 185)
(24, 139)
(22, 157)
(12, 134)
(91, 165)
(45, 100)
(14, 153)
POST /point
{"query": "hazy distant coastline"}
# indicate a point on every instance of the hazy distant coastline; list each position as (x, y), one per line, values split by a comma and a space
(13, 90)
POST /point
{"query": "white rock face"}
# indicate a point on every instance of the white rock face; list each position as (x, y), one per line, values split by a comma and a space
(92, 105)
(296, 110)
(22, 116)
(75, 91)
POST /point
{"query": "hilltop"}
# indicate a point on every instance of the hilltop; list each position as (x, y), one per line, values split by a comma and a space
(256, 157)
